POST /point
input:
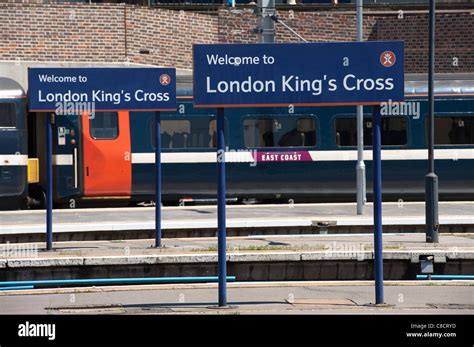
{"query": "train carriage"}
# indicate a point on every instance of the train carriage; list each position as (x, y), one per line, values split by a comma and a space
(286, 153)
(13, 145)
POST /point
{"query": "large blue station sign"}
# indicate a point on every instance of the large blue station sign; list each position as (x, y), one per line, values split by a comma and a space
(101, 89)
(239, 75)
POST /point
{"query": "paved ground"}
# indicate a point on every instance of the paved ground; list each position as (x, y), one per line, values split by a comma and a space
(353, 245)
(250, 298)
(403, 213)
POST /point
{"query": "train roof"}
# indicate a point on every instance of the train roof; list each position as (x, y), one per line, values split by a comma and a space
(10, 88)
(184, 85)
(444, 84)
(451, 84)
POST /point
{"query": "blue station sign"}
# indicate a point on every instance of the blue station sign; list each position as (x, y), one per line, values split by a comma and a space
(343, 73)
(102, 89)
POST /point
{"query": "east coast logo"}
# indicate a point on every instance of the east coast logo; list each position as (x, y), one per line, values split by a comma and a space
(37, 330)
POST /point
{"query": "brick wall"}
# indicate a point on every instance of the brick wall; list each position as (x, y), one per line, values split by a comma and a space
(168, 34)
(454, 33)
(237, 26)
(43, 30)
(101, 33)
(454, 40)
(61, 32)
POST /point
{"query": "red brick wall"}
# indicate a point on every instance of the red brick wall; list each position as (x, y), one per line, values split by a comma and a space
(168, 34)
(237, 26)
(454, 39)
(64, 32)
(42, 30)
(454, 33)
(101, 33)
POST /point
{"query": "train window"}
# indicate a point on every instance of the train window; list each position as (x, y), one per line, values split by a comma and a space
(454, 130)
(199, 132)
(280, 132)
(394, 131)
(104, 125)
(7, 115)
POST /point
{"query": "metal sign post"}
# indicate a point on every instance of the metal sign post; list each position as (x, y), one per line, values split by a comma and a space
(265, 24)
(49, 181)
(360, 165)
(157, 179)
(377, 162)
(221, 209)
(431, 179)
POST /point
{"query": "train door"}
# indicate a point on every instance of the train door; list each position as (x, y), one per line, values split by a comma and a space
(107, 151)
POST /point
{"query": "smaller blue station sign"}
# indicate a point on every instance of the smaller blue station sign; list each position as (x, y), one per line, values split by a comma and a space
(102, 89)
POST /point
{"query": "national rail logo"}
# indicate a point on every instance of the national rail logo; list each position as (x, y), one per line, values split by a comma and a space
(388, 58)
(165, 80)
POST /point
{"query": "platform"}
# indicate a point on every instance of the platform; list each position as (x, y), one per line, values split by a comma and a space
(285, 257)
(405, 297)
(196, 221)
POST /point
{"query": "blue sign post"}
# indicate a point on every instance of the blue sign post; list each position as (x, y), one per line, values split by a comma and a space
(221, 209)
(49, 182)
(72, 91)
(377, 189)
(308, 74)
(158, 179)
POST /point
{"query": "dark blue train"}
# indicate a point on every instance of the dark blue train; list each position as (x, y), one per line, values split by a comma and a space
(298, 153)
(13, 145)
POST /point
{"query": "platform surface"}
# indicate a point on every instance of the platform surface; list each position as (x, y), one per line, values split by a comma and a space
(238, 216)
(252, 248)
(247, 298)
